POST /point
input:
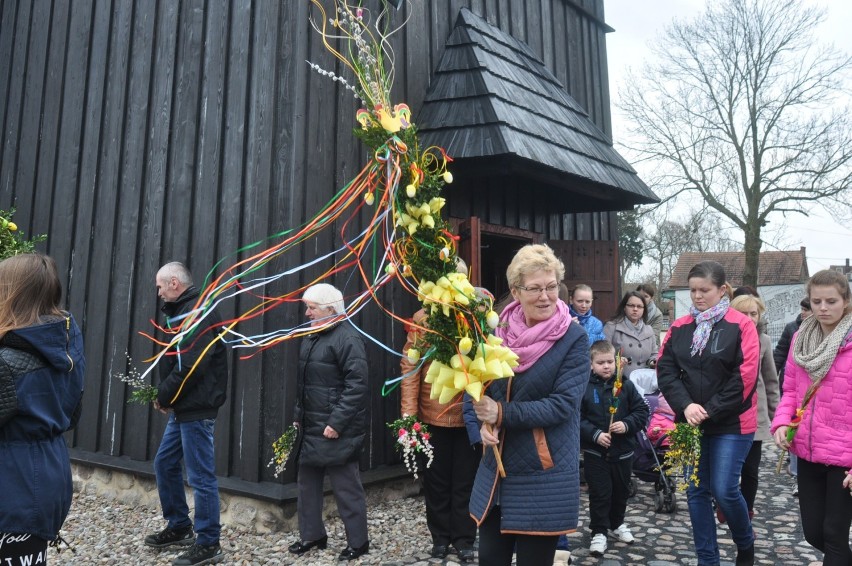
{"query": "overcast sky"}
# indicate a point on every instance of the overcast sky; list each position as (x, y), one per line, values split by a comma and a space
(638, 22)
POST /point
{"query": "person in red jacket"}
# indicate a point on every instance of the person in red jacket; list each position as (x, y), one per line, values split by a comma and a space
(817, 404)
(707, 370)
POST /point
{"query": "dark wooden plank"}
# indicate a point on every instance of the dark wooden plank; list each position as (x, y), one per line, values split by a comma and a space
(414, 56)
(440, 30)
(504, 19)
(559, 65)
(258, 175)
(510, 207)
(14, 109)
(133, 294)
(279, 387)
(605, 121)
(576, 68)
(517, 25)
(544, 27)
(207, 171)
(31, 113)
(533, 26)
(492, 12)
(45, 183)
(150, 249)
(496, 205)
(93, 419)
(185, 92)
(8, 27)
(70, 142)
(110, 312)
(210, 134)
(232, 186)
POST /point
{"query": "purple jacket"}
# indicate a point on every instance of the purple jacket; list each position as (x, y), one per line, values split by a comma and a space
(825, 434)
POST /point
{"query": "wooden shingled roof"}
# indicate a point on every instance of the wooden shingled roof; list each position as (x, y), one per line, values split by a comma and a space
(776, 268)
(491, 96)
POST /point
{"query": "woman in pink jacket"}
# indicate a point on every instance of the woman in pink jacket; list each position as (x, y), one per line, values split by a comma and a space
(816, 410)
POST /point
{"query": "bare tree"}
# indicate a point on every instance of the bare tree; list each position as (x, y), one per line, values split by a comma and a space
(742, 109)
(665, 239)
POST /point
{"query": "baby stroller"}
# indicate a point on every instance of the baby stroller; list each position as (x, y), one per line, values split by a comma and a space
(649, 454)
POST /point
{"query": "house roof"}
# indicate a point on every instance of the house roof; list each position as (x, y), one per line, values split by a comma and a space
(776, 268)
(492, 97)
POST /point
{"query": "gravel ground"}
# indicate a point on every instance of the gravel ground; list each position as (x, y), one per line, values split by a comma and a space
(108, 532)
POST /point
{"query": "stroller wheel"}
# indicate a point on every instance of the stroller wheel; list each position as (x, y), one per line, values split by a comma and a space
(670, 502)
(634, 487)
(658, 501)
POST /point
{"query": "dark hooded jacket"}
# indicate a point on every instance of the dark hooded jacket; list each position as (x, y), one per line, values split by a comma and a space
(41, 392)
(595, 417)
(332, 391)
(198, 395)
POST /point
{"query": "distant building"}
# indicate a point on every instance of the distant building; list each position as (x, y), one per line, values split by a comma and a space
(844, 269)
(781, 282)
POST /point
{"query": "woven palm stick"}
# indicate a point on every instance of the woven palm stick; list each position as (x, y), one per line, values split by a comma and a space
(500, 469)
(781, 461)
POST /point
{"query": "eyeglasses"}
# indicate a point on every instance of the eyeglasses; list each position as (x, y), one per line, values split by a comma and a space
(535, 291)
(635, 306)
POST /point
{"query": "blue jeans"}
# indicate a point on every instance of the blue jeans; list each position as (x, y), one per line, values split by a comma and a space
(722, 458)
(191, 443)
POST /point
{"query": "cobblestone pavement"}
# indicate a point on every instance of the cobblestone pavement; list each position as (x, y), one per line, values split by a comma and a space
(107, 532)
(666, 539)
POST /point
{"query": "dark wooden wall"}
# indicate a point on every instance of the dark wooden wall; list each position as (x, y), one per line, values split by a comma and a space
(136, 132)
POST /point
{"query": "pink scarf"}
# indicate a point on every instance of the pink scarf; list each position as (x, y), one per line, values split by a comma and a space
(531, 342)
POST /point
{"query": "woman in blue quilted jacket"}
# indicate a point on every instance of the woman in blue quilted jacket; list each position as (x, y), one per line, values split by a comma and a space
(534, 419)
(41, 391)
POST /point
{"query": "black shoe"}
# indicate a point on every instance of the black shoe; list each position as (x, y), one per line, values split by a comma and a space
(745, 556)
(465, 555)
(439, 551)
(171, 537)
(350, 553)
(199, 554)
(299, 547)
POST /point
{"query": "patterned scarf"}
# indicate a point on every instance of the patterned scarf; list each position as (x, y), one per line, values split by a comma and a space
(704, 322)
(815, 352)
(531, 342)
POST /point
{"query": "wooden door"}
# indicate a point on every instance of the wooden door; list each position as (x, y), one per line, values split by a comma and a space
(595, 263)
(469, 246)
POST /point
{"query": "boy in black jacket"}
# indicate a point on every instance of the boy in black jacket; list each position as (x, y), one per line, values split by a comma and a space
(608, 448)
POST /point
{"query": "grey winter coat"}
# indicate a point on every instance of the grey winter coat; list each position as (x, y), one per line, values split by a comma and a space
(332, 391)
(638, 345)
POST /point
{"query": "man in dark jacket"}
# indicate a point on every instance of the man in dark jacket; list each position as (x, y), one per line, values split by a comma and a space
(193, 387)
(786, 340)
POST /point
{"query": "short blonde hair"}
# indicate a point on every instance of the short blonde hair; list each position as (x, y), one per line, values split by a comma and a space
(325, 295)
(532, 258)
(745, 302)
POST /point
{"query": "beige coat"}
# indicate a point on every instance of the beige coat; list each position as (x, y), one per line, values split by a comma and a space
(768, 391)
